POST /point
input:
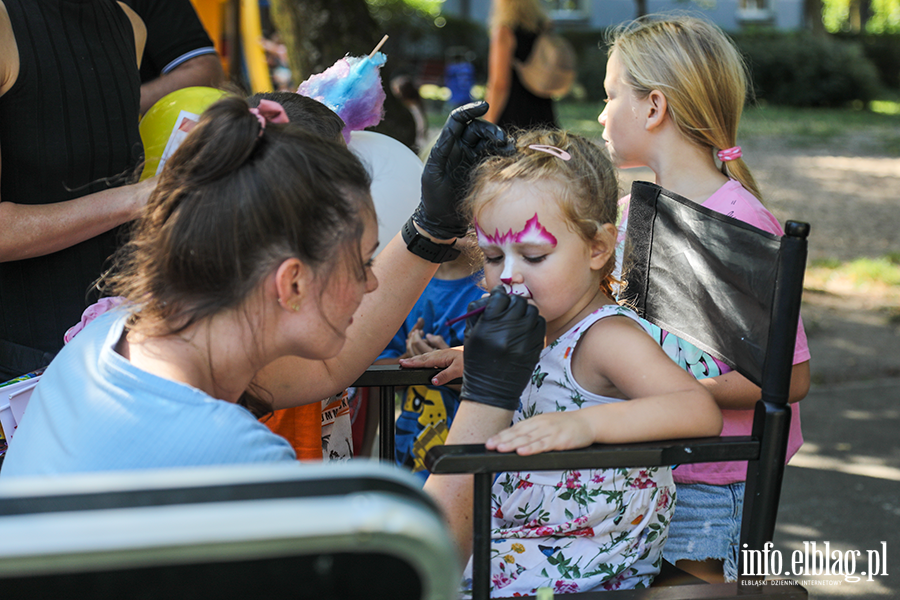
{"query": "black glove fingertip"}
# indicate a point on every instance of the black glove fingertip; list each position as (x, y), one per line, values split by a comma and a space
(518, 307)
(469, 112)
(497, 303)
(478, 303)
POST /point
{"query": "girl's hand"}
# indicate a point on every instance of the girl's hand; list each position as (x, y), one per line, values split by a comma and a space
(542, 433)
(449, 359)
(418, 342)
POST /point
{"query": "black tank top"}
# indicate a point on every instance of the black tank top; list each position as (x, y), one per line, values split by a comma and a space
(68, 127)
(523, 109)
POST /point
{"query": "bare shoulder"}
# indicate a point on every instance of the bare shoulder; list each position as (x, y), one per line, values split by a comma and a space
(608, 343)
(614, 335)
(617, 353)
(9, 52)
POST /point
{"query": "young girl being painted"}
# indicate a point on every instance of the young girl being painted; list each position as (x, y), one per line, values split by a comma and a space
(544, 218)
(675, 91)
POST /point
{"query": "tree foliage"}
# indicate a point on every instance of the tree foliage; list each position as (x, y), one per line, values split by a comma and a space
(317, 33)
(870, 16)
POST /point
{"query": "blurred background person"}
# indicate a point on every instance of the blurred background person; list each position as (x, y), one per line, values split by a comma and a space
(179, 52)
(404, 89)
(514, 27)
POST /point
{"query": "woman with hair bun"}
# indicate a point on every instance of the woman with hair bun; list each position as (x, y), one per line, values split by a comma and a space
(249, 285)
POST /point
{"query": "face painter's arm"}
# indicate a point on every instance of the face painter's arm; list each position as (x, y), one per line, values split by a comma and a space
(402, 273)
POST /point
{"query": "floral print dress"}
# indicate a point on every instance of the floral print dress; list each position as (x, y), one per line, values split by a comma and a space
(574, 531)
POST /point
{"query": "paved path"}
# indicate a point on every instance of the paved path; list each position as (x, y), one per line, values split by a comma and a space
(843, 486)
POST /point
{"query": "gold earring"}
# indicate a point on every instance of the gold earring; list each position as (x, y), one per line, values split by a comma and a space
(295, 307)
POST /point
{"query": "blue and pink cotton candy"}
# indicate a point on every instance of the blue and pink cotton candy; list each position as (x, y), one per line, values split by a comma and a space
(352, 88)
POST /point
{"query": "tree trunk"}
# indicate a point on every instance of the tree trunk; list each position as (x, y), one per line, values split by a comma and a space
(860, 11)
(640, 8)
(812, 14)
(317, 33)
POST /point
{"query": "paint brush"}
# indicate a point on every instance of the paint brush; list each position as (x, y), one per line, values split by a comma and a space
(478, 310)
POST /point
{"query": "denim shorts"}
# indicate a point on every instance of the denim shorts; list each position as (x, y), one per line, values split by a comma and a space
(707, 524)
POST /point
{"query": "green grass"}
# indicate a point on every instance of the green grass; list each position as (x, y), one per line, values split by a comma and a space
(862, 273)
(800, 127)
(824, 123)
(580, 117)
(805, 125)
(885, 107)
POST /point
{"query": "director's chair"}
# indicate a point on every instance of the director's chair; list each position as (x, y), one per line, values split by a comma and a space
(689, 270)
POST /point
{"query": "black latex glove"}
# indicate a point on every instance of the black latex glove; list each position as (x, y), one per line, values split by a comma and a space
(463, 142)
(502, 347)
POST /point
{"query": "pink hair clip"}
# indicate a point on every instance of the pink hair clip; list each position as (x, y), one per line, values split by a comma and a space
(552, 151)
(270, 111)
(729, 154)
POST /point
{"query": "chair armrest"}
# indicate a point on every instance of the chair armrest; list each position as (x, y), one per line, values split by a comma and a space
(394, 375)
(474, 458)
(386, 378)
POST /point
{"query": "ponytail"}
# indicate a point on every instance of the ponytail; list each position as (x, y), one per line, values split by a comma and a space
(738, 170)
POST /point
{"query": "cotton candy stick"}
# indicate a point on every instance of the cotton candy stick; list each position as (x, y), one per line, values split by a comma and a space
(352, 88)
(378, 47)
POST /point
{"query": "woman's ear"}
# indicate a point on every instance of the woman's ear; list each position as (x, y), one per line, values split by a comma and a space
(291, 283)
(657, 105)
(603, 247)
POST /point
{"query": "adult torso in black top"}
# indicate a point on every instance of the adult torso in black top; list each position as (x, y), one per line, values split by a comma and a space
(523, 109)
(68, 127)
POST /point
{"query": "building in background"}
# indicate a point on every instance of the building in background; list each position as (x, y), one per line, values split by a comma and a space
(730, 15)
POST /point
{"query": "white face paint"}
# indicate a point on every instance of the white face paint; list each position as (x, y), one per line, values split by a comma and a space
(533, 234)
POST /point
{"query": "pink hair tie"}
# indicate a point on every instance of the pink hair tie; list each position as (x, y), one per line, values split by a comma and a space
(729, 154)
(552, 151)
(270, 111)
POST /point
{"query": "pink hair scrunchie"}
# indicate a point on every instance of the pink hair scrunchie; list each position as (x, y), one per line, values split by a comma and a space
(269, 111)
(92, 312)
(729, 154)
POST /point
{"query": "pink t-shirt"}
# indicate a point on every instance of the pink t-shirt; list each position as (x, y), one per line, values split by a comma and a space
(733, 200)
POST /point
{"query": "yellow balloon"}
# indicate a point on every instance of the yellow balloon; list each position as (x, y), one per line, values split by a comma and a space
(169, 120)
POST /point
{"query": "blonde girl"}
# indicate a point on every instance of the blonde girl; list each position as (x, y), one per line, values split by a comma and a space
(544, 218)
(676, 88)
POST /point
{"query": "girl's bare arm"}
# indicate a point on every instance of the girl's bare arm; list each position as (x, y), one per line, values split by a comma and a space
(734, 391)
(500, 57)
(473, 424)
(665, 401)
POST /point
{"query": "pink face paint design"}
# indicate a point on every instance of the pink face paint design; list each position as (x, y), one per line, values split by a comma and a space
(533, 233)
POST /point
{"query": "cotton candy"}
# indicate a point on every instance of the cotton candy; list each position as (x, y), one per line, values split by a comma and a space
(352, 88)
